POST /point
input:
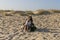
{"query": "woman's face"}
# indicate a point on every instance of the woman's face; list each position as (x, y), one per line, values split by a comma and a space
(28, 18)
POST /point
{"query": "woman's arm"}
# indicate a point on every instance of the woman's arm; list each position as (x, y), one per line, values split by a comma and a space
(24, 22)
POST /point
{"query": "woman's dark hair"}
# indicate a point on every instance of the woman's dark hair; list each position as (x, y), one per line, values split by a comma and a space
(30, 17)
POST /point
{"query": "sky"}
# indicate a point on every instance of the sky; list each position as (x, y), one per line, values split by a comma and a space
(29, 4)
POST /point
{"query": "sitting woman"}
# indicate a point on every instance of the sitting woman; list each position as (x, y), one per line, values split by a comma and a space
(28, 25)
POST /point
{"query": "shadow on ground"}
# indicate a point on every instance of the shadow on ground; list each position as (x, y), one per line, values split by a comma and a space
(48, 30)
(43, 30)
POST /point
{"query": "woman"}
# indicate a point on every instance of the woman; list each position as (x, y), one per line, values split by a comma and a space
(28, 24)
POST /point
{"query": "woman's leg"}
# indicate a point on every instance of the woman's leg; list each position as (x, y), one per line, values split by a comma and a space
(25, 28)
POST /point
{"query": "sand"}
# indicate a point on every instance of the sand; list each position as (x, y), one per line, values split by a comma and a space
(48, 27)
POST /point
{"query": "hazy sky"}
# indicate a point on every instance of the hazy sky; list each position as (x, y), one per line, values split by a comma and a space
(29, 4)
